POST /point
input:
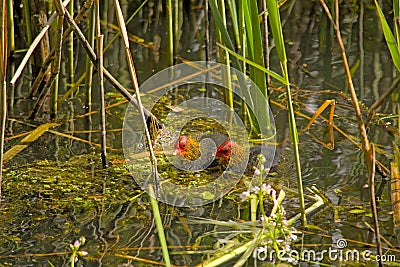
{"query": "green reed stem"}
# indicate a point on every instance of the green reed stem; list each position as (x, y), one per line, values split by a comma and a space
(235, 20)
(28, 24)
(177, 25)
(55, 68)
(159, 226)
(256, 54)
(10, 26)
(224, 59)
(242, 47)
(3, 84)
(170, 51)
(276, 29)
(390, 39)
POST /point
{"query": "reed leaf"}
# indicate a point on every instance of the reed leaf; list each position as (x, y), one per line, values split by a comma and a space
(248, 61)
(220, 25)
(255, 44)
(390, 40)
(32, 137)
(276, 29)
(396, 17)
(228, 42)
(235, 21)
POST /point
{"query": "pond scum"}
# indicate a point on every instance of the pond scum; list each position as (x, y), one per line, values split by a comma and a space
(87, 210)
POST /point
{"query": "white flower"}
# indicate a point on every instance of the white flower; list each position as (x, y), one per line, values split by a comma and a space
(264, 188)
(256, 189)
(293, 237)
(267, 189)
(262, 219)
(77, 244)
(245, 195)
(83, 253)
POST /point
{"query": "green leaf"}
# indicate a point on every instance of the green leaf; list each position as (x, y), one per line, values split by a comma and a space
(276, 29)
(390, 41)
(357, 211)
(270, 72)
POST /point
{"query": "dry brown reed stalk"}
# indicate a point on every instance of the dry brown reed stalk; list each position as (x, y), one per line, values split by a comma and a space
(89, 66)
(92, 56)
(371, 180)
(100, 48)
(369, 151)
(100, 67)
(395, 193)
(48, 60)
(33, 46)
(55, 68)
(132, 73)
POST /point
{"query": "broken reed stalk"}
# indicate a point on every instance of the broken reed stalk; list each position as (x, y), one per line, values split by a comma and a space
(100, 67)
(55, 68)
(100, 47)
(3, 84)
(367, 148)
(93, 58)
(50, 57)
(34, 44)
(89, 65)
(46, 89)
(353, 94)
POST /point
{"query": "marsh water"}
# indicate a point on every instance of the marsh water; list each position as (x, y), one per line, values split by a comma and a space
(56, 191)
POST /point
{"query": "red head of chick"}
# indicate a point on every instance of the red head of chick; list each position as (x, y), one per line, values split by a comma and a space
(187, 147)
(230, 152)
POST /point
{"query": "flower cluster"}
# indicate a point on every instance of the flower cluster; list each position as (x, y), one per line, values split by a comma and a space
(265, 189)
(75, 249)
(278, 234)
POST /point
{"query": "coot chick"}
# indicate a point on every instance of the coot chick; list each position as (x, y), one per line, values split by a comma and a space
(197, 153)
(234, 155)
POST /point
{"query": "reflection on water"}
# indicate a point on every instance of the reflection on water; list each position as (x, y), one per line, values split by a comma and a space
(50, 204)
